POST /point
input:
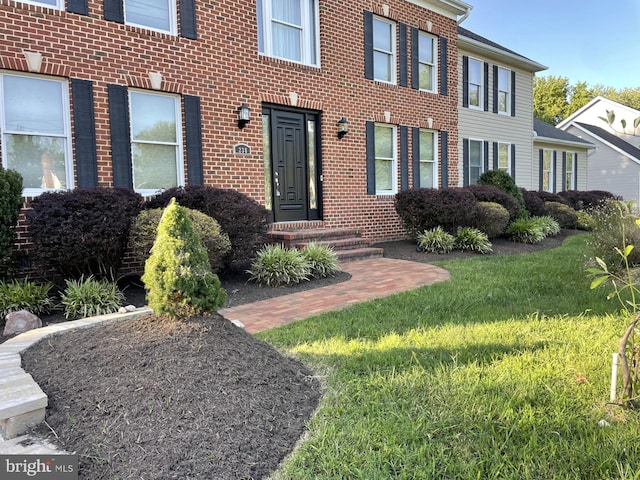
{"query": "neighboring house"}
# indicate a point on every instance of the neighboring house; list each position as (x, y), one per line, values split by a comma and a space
(495, 111)
(562, 159)
(148, 96)
(614, 165)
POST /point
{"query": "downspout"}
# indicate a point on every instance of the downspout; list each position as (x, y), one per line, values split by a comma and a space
(466, 15)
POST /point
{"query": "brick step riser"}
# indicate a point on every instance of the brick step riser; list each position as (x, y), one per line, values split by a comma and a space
(359, 254)
(342, 244)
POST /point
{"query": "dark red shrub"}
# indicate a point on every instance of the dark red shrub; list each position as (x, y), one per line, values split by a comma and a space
(533, 203)
(584, 200)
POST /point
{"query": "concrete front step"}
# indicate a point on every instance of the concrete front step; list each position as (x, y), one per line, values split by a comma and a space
(27, 445)
(22, 405)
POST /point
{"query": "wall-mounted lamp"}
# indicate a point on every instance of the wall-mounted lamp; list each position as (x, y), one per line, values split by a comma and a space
(343, 127)
(244, 115)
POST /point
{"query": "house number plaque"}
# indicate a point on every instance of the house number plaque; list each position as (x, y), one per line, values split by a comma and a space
(242, 149)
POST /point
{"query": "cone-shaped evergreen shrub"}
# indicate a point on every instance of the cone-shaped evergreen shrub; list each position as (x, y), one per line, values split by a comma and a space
(177, 275)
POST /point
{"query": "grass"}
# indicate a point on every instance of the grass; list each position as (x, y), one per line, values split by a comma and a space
(501, 372)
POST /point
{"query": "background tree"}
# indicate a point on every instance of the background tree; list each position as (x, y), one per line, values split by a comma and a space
(551, 98)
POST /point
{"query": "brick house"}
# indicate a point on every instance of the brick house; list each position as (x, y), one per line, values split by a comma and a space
(106, 93)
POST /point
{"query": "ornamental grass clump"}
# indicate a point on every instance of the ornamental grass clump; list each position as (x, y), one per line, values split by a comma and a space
(177, 274)
(88, 297)
(525, 230)
(276, 265)
(549, 225)
(473, 240)
(323, 261)
(436, 240)
(25, 295)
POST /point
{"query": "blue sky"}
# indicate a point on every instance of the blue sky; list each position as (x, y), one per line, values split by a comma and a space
(594, 41)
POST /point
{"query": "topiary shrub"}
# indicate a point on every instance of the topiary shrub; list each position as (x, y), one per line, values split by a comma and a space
(25, 295)
(10, 204)
(240, 217)
(436, 240)
(145, 228)
(83, 232)
(491, 218)
(561, 213)
(533, 202)
(276, 265)
(89, 297)
(584, 200)
(177, 275)
(473, 240)
(490, 193)
(323, 261)
(422, 209)
(505, 182)
(585, 220)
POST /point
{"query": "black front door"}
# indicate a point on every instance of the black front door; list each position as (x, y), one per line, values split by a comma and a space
(294, 164)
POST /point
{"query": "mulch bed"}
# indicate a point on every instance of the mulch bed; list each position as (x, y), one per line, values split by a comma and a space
(200, 399)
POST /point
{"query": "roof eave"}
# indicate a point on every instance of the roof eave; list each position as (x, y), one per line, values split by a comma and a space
(449, 8)
(568, 143)
(490, 51)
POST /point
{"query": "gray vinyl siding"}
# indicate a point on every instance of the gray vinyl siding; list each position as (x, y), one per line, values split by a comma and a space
(492, 127)
(581, 171)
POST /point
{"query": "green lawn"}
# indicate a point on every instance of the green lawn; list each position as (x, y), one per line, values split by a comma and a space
(501, 372)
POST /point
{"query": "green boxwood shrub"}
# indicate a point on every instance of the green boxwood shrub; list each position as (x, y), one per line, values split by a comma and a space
(83, 232)
(436, 240)
(505, 182)
(473, 240)
(177, 275)
(25, 295)
(10, 205)
(323, 261)
(422, 209)
(492, 218)
(239, 216)
(585, 220)
(88, 297)
(490, 193)
(563, 214)
(145, 227)
(276, 265)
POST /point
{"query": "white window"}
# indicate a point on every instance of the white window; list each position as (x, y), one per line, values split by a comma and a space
(427, 69)
(504, 157)
(384, 48)
(57, 4)
(504, 90)
(156, 142)
(476, 160)
(386, 159)
(428, 154)
(157, 15)
(570, 178)
(288, 29)
(476, 84)
(547, 171)
(35, 126)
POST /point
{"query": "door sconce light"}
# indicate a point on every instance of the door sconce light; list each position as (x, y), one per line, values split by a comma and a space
(343, 127)
(244, 116)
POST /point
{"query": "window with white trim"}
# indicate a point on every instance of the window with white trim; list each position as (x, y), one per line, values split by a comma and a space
(57, 4)
(570, 172)
(504, 157)
(159, 15)
(476, 160)
(35, 126)
(156, 141)
(428, 174)
(288, 29)
(386, 159)
(547, 171)
(427, 66)
(384, 50)
(475, 83)
(504, 91)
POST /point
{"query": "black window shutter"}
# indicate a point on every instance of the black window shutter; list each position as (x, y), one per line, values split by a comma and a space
(465, 162)
(193, 127)
(513, 93)
(114, 10)
(415, 66)
(120, 139)
(541, 155)
(465, 81)
(495, 155)
(402, 54)
(444, 158)
(444, 72)
(188, 27)
(485, 146)
(495, 89)
(84, 138)
(512, 167)
(78, 6)
(371, 158)
(486, 87)
(404, 157)
(368, 45)
(415, 153)
(555, 170)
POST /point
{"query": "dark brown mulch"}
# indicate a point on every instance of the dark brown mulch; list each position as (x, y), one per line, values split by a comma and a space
(161, 399)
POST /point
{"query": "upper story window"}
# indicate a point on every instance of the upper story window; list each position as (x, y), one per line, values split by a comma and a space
(157, 15)
(504, 90)
(427, 66)
(504, 157)
(386, 159)
(476, 83)
(156, 143)
(548, 173)
(384, 48)
(288, 29)
(570, 171)
(428, 168)
(35, 126)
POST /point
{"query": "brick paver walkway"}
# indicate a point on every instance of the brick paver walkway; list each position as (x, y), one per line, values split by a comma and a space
(370, 279)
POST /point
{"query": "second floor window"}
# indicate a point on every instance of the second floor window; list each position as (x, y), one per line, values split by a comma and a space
(157, 15)
(504, 90)
(427, 62)
(384, 57)
(475, 83)
(288, 29)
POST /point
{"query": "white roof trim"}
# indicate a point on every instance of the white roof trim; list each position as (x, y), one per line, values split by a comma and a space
(610, 145)
(586, 107)
(449, 8)
(514, 59)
